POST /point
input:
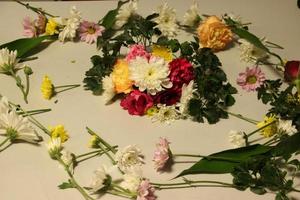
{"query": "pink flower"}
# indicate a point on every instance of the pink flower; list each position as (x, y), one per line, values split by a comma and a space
(29, 28)
(89, 31)
(137, 50)
(145, 191)
(162, 154)
(251, 79)
(40, 24)
(182, 71)
(137, 102)
(169, 97)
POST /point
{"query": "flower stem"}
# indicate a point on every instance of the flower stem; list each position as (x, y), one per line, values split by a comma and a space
(89, 157)
(37, 10)
(67, 87)
(4, 141)
(92, 152)
(27, 85)
(274, 45)
(190, 186)
(252, 121)
(35, 112)
(108, 155)
(184, 162)
(207, 157)
(261, 128)
(28, 59)
(20, 85)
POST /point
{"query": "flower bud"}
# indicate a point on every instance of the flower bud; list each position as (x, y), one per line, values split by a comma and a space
(291, 70)
(28, 71)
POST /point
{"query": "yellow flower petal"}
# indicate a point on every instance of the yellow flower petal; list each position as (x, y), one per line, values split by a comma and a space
(162, 52)
(120, 77)
(59, 132)
(47, 88)
(269, 130)
(51, 27)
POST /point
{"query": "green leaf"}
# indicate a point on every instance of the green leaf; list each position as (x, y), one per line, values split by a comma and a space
(258, 190)
(25, 45)
(65, 185)
(287, 146)
(219, 166)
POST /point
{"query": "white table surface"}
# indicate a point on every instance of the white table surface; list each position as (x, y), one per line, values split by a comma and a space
(28, 173)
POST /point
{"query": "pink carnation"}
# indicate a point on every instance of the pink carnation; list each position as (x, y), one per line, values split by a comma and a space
(29, 28)
(181, 71)
(137, 102)
(161, 154)
(146, 191)
(137, 50)
(89, 31)
(251, 79)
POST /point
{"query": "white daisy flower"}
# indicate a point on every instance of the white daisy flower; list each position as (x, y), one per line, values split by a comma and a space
(17, 127)
(67, 157)
(286, 127)
(109, 88)
(186, 95)
(129, 157)
(99, 179)
(4, 105)
(191, 17)
(125, 12)
(132, 179)
(54, 147)
(71, 25)
(250, 53)
(236, 138)
(9, 62)
(166, 21)
(166, 114)
(150, 75)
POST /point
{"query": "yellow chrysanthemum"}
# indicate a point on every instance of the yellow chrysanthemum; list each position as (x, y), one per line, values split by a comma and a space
(59, 132)
(271, 129)
(51, 27)
(93, 143)
(163, 52)
(47, 88)
(120, 77)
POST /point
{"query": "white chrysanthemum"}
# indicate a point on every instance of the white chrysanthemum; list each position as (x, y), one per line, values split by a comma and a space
(286, 127)
(132, 179)
(191, 17)
(166, 21)
(186, 95)
(236, 138)
(17, 127)
(4, 105)
(128, 158)
(54, 147)
(71, 25)
(250, 53)
(125, 12)
(99, 179)
(109, 88)
(166, 114)
(151, 76)
(9, 61)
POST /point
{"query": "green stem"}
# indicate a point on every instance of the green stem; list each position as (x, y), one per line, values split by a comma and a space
(191, 183)
(65, 86)
(68, 87)
(252, 121)
(295, 190)
(191, 186)
(19, 84)
(274, 45)
(4, 141)
(207, 157)
(73, 181)
(259, 129)
(271, 141)
(108, 155)
(37, 10)
(27, 85)
(92, 152)
(117, 193)
(89, 157)
(184, 162)
(35, 112)
(28, 59)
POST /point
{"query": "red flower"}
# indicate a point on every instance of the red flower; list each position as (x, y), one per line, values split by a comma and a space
(169, 97)
(182, 71)
(291, 70)
(137, 103)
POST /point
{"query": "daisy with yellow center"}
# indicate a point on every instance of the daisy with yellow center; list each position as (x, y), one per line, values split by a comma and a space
(94, 142)
(270, 125)
(162, 52)
(59, 132)
(51, 27)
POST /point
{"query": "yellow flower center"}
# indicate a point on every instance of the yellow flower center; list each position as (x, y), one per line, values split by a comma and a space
(91, 30)
(251, 79)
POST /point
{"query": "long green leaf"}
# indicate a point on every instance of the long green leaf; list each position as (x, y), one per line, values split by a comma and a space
(25, 45)
(287, 146)
(220, 166)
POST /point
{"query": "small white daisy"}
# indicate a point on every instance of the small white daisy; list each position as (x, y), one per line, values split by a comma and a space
(129, 157)
(109, 88)
(286, 127)
(191, 18)
(237, 139)
(250, 53)
(186, 95)
(54, 147)
(9, 62)
(125, 12)
(71, 25)
(166, 114)
(132, 179)
(99, 179)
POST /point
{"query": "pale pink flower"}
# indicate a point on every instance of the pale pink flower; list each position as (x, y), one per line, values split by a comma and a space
(137, 50)
(29, 28)
(162, 154)
(89, 31)
(40, 24)
(146, 191)
(251, 79)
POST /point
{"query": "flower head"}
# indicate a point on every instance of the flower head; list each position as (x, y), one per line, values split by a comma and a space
(94, 141)
(162, 52)
(146, 191)
(168, 97)
(137, 103)
(47, 88)
(137, 50)
(40, 24)
(121, 77)
(132, 179)
(17, 127)
(90, 31)
(182, 71)
(186, 96)
(162, 154)
(100, 179)
(214, 34)
(150, 75)
(29, 29)
(291, 70)
(166, 114)
(251, 53)
(8, 61)
(270, 125)
(191, 18)
(166, 21)
(67, 157)
(237, 139)
(71, 25)
(126, 10)
(251, 79)
(54, 147)
(128, 158)
(109, 88)
(51, 27)
(286, 127)
(59, 132)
